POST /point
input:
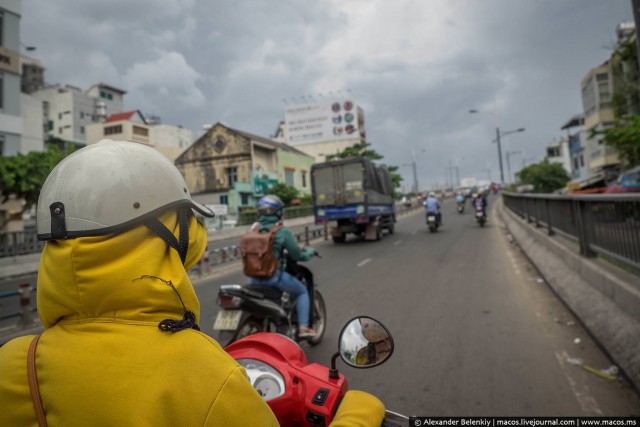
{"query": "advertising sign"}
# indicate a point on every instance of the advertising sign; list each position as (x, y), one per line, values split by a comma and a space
(324, 121)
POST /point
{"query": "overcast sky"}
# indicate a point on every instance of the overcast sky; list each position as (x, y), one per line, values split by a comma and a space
(416, 67)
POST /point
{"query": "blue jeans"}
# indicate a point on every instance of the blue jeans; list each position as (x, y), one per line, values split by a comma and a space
(289, 284)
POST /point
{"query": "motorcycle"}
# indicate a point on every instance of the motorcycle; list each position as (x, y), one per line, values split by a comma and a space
(432, 222)
(460, 207)
(300, 393)
(250, 309)
(481, 218)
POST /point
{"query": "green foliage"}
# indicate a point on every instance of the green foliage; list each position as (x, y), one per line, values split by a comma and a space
(286, 193)
(357, 150)
(22, 175)
(545, 177)
(625, 138)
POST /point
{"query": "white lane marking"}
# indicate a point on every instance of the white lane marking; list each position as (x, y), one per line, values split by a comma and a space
(366, 261)
(397, 243)
(582, 393)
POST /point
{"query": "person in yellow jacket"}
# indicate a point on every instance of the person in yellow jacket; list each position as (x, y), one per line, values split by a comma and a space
(121, 345)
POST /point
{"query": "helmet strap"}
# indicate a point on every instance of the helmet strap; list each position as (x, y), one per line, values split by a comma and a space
(181, 246)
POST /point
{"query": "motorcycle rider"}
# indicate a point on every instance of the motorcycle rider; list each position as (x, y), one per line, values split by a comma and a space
(480, 203)
(271, 212)
(460, 199)
(121, 344)
(432, 204)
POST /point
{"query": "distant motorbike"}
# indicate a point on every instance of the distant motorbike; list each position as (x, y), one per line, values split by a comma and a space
(460, 207)
(249, 309)
(304, 394)
(432, 221)
(481, 217)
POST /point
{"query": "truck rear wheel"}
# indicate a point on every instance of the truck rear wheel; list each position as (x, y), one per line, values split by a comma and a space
(339, 239)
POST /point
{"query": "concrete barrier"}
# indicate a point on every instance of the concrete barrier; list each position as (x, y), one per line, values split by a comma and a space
(604, 297)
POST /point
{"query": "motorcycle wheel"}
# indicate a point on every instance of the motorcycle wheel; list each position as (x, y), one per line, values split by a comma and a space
(432, 228)
(249, 327)
(319, 317)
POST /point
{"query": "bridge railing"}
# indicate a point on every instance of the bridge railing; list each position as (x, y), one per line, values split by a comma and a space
(606, 224)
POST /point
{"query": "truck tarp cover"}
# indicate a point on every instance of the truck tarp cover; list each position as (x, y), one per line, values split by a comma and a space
(348, 181)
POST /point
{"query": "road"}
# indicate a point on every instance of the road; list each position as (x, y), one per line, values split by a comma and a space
(476, 333)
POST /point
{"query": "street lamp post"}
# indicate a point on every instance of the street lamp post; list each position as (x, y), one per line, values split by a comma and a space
(498, 136)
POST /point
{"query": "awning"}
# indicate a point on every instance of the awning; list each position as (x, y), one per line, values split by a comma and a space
(594, 180)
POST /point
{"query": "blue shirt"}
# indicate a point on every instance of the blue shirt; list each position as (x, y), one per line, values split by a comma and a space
(432, 204)
(460, 198)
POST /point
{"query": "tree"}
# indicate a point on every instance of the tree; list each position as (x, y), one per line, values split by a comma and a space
(22, 176)
(625, 138)
(357, 150)
(545, 177)
(286, 193)
(361, 150)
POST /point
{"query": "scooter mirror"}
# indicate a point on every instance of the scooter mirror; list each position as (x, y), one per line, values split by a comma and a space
(365, 342)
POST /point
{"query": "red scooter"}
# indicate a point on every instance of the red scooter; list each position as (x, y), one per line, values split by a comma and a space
(303, 394)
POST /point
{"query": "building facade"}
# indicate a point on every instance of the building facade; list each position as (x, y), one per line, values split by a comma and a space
(11, 123)
(133, 126)
(597, 91)
(235, 168)
(68, 110)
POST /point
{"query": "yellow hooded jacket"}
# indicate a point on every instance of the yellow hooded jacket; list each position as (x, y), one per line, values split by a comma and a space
(102, 361)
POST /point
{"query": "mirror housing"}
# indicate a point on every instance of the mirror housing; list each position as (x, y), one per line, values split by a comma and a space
(365, 342)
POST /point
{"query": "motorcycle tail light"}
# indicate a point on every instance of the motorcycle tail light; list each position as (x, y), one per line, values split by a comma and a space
(362, 220)
(229, 301)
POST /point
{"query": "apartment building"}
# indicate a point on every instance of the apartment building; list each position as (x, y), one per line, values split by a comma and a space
(68, 110)
(169, 140)
(597, 92)
(11, 123)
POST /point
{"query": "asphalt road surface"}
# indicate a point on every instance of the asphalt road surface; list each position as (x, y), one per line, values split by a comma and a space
(477, 332)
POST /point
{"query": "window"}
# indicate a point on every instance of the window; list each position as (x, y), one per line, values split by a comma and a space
(602, 77)
(137, 130)
(581, 160)
(60, 130)
(304, 179)
(224, 200)
(1, 145)
(288, 177)
(109, 96)
(232, 176)
(103, 94)
(82, 130)
(1, 88)
(244, 198)
(110, 130)
(81, 114)
(50, 125)
(1, 28)
(59, 116)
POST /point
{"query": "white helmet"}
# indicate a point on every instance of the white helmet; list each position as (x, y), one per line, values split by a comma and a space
(432, 194)
(110, 187)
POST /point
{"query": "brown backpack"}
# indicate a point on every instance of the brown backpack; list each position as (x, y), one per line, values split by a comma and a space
(256, 249)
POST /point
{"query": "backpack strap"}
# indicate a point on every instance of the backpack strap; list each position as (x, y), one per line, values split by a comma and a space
(273, 230)
(33, 382)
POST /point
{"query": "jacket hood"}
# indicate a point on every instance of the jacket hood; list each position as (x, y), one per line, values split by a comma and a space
(106, 277)
(268, 221)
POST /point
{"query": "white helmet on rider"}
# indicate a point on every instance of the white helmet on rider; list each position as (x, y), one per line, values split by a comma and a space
(432, 194)
(110, 187)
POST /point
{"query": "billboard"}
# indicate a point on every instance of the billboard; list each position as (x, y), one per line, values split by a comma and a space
(324, 121)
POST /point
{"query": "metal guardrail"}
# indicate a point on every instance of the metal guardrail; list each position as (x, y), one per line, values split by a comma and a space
(607, 224)
(14, 243)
